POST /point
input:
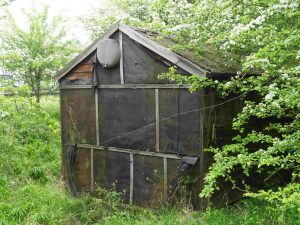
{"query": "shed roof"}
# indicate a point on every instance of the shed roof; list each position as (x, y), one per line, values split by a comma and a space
(208, 62)
(209, 59)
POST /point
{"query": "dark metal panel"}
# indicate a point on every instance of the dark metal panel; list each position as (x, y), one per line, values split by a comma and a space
(112, 171)
(148, 183)
(123, 113)
(83, 170)
(141, 66)
(100, 168)
(189, 122)
(168, 107)
(118, 173)
(78, 116)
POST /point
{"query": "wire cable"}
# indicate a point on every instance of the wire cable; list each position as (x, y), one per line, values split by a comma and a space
(178, 114)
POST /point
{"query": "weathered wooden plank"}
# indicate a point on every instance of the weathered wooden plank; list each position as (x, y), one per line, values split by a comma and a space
(97, 118)
(165, 178)
(92, 171)
(131, 180)
(86, 52)
(124, 150)
(129, 86)
(89, 59)
(80, 86)
(83, 68)
(121, 59)
(201, 146)
(157, 119)
(81, 75)
(154, 86)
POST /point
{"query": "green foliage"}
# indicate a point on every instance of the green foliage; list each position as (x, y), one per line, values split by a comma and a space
(32, 193)
(35, 54)
(258, 37)
(5, 2)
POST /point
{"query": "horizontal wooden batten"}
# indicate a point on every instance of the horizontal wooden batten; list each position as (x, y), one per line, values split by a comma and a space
(128, 86)
(129, 151)
(83, 68)
(80, 86)
(79, 75)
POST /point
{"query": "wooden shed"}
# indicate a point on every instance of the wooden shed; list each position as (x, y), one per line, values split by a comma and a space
(126, 130)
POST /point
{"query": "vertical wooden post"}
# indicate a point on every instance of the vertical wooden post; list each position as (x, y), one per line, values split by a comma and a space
(157, 119)
(121, 59)
(165, 178)
(97, 117)
(92, 170)
(201, 144)
(61, 134)
(131, 180)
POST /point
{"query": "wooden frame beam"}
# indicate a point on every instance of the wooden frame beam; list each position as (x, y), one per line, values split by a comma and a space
(121, 59)
(124, 150)
(97, 118)
(131, 180)
(166, 178)
(92, 171)
(157, 120)
(127, 86)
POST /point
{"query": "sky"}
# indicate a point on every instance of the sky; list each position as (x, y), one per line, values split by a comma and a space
(71, 9)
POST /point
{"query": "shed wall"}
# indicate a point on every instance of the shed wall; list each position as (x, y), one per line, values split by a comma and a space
(152, 117)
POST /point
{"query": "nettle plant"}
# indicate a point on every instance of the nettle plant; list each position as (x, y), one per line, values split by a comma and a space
(265, 37)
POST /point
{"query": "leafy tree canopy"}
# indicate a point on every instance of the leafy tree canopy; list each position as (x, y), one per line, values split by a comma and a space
(35, 54)
(5, 2)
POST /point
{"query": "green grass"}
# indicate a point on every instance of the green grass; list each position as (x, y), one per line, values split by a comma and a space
(31, 191)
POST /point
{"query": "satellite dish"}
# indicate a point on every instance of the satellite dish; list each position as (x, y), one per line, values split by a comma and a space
(108, 53)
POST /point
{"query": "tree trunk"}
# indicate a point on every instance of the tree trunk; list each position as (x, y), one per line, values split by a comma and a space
(38, 88)
(37, 98)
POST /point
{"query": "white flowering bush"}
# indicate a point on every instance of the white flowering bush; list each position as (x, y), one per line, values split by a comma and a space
(264, 37)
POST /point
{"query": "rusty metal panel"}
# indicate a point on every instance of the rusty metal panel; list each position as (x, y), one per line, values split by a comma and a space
(78, 116)
(111, 171)
(124, 118)
(83, 170)
(148, 182)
